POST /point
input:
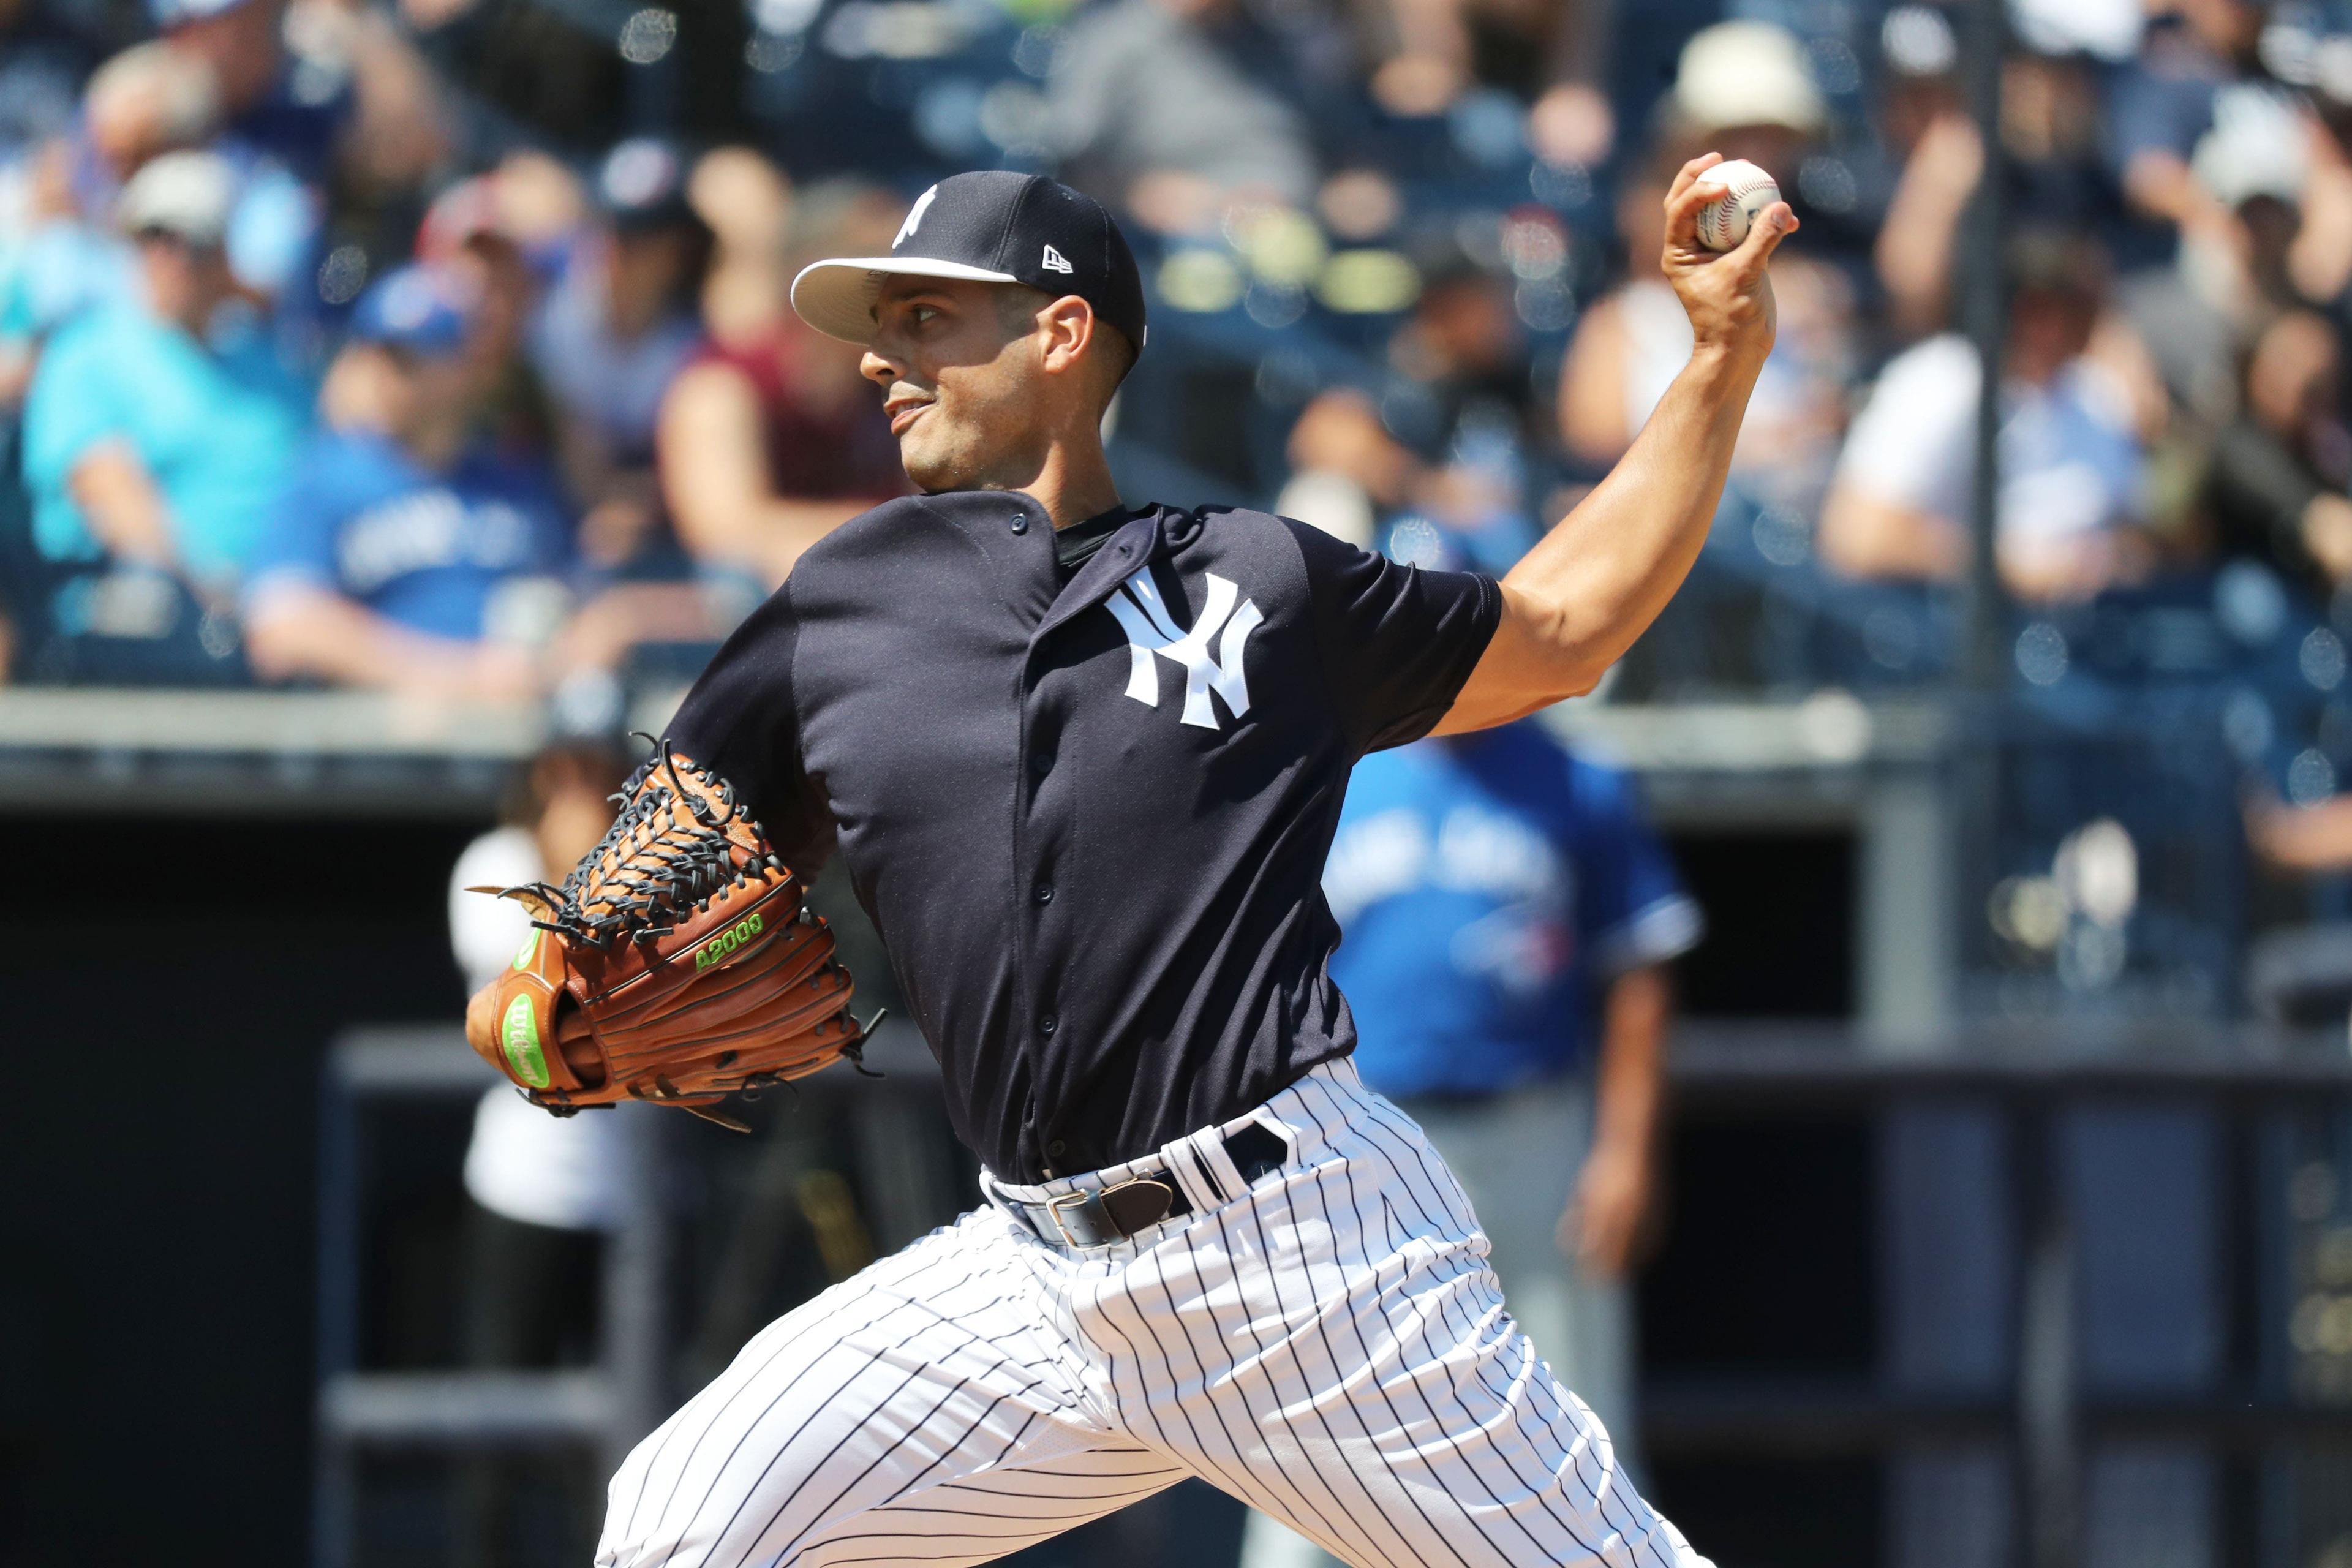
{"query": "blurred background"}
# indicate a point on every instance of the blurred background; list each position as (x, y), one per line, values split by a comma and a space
(398, 401)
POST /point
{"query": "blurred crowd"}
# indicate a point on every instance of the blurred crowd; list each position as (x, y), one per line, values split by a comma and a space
(442, 345)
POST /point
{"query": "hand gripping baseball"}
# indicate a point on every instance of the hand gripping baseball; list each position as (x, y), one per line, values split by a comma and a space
(676, 964)
(1727, 294)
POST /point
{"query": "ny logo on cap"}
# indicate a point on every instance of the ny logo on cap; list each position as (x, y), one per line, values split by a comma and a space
(1054, 263)
(914, 217)
(1150, 629)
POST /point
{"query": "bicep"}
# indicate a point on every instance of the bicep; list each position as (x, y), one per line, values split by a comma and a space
(1519, 673)
(1397, 642)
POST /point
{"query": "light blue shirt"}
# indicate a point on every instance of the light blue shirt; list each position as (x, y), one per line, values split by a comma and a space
(219, 428)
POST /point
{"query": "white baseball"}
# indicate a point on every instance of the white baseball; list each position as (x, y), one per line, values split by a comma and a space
(1747, 191)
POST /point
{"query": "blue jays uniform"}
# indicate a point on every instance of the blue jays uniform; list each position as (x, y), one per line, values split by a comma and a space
(365, 520)
(1490, 887)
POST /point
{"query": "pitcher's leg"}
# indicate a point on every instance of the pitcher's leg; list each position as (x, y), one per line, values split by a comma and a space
(1340, 1350)
(1517, 1156)
(926, 1398)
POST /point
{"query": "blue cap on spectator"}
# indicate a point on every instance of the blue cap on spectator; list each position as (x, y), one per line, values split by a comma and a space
(418, 309)
(169, 14)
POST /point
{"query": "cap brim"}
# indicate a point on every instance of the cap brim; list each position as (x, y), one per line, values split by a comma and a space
(837, 297)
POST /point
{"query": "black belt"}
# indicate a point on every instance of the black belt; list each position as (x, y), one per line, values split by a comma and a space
(1099, 1216)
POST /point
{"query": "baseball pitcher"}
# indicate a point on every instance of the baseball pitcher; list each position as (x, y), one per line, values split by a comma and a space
(1085, 760)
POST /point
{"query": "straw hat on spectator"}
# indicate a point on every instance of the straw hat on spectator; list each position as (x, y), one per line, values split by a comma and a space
(187, 196)
(1747, 73)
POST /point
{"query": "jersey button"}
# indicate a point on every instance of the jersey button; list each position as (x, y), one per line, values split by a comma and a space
(1044, 892)
(1058, 1148)
(1048, 1024)
(1041, 763)
(1020, 523)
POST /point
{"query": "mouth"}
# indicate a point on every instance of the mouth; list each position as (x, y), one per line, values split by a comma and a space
(904, 414)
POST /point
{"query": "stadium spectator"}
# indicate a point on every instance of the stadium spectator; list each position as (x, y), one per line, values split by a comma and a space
(614, 333)
(1508, 918)
(2275, 490)
(1173, 109)
(770, 442)
(1444, 469)
(148, 99)
(158, 430)
(405, 555)
(747, 204)
(59, 252)
(2071, 455)
(2198, 68)
(1553, 56)
(2283, 181)
(1928, 135)
(468, 234)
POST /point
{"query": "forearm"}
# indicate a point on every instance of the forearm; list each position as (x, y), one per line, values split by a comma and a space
(331, 639)
(1598, 580)
(1577, 601)
(1631, 1078)
(120, 504)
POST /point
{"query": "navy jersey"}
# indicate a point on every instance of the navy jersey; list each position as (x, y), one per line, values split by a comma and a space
(1088, 814)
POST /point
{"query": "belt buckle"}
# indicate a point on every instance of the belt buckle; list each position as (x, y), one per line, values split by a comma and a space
(1054, 1210)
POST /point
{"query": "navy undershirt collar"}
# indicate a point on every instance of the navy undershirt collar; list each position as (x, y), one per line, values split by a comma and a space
(1075, 545)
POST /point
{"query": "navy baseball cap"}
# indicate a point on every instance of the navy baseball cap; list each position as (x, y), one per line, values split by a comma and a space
(419, 308)
(992, 226)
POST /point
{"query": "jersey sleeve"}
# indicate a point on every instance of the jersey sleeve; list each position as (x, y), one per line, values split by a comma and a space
(1397, 642)
(739, 721)
(1631, 908)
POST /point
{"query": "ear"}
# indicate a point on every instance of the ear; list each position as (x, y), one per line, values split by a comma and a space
(1068, 325)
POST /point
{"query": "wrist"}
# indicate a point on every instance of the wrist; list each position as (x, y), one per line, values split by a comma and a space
(1731, 361)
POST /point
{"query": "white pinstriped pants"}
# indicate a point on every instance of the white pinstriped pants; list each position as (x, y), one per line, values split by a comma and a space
(1328, 1346)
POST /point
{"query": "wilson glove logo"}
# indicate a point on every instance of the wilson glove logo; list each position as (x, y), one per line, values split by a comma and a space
(727, 942)
(1150, 629)
(519, 1036)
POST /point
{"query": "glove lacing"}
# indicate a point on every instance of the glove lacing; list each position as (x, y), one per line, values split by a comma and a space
(663, 868)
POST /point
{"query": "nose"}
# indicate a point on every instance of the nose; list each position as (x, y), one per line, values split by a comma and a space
(877, 369)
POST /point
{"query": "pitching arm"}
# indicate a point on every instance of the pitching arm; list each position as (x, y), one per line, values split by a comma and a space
(1576, 603)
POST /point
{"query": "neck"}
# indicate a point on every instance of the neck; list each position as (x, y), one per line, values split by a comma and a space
(1072, 482)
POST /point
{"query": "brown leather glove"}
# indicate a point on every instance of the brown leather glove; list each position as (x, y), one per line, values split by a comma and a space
(676, 964)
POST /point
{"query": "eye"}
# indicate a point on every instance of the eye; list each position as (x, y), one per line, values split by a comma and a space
(923, 313)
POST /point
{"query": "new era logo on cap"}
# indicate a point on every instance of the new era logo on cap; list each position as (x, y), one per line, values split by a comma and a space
(991, 226)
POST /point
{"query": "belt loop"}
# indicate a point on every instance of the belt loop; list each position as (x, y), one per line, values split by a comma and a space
(1209, 1147)
(1184, 1163)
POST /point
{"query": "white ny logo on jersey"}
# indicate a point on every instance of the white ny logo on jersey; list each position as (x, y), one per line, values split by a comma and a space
(914, 217)
(1150, 629)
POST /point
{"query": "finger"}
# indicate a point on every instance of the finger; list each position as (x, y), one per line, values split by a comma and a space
(1773, 225)
(1683, 208)
(1690, 172)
